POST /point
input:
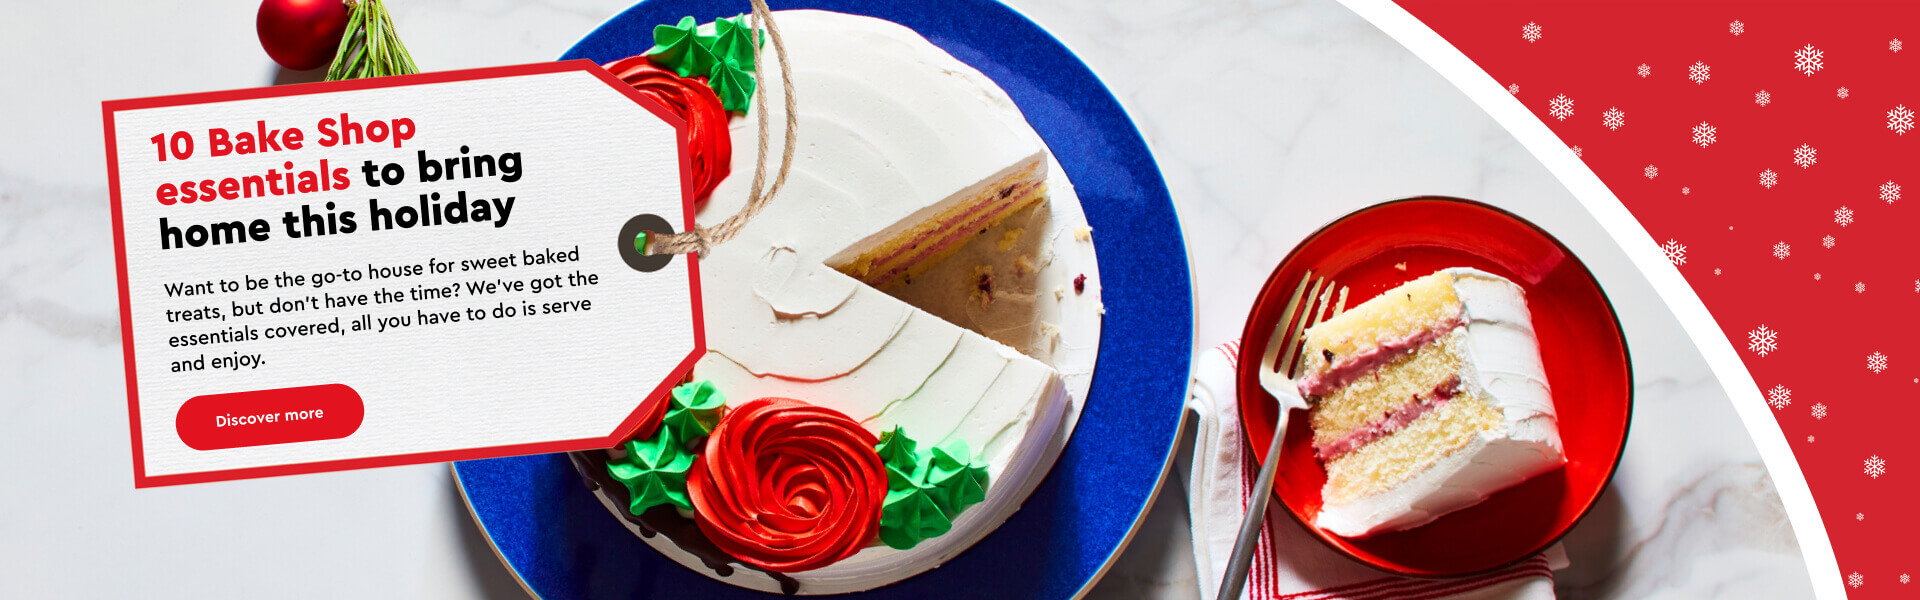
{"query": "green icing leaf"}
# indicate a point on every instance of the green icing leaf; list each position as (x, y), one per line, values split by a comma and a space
(733, 84)
(733, 42)
(901, 479)
(694, 410)
(911, 514)
(682, 48)
(897, 450)
(925, 491)
(961, 482)
(724, 57)
(654, 471)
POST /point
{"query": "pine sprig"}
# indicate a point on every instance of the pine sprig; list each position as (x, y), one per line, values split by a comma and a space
(371, 47)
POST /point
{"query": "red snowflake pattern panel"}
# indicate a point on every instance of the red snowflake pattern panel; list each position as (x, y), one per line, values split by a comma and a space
(1766, 147)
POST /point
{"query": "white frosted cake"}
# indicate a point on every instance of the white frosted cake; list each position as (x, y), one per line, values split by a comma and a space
(919, 273)
(1427, 399)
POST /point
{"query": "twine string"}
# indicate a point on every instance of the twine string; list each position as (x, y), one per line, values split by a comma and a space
(702, 239)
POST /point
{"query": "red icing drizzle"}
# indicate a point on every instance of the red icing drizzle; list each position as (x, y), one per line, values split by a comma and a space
(693, 102)
(787, 486)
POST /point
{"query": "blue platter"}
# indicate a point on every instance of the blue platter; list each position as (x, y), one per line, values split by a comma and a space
(563, 545)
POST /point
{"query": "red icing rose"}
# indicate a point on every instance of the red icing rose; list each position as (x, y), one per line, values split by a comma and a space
(650, 424)
(787, 486)
(696, 104)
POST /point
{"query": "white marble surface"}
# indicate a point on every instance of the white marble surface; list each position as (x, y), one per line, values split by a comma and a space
(1268, 118)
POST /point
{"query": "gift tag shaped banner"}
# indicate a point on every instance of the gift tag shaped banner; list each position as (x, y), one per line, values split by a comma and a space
(398, 270)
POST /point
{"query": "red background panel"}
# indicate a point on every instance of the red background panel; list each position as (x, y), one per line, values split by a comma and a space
(1832, 306)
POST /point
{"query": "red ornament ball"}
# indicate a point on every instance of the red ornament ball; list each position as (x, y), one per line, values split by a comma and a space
(301, 34)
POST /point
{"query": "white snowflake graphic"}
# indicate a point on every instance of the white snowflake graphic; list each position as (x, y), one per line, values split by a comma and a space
(1842, 93)
(1676, 252)
(1859, 517)
(1843, 216)
(1816, 276)
(1876, 466)
(1876, 362)
(1560, 107)
(1614, 118)
(1860, 287)
(1768, 179)
(1819, 410)
(1855, 579)
(1806, 156)
(1684, 190)
(1530, 32)
(1699, 73)
(1807, 60)
(1900, 119)
(1513, 88)
(1895, 47)
(1716, 271)
(1576, 151)
(1903, 576)
(1736, 27)
(1809, 439)
(1827, 242)
(1703, 134)
(1762, 340)
(1782, 250)
(1889, 191)
(1762, 98)
(1779, 397)
(1644, 70)
(1916, 286)
(1651, 171)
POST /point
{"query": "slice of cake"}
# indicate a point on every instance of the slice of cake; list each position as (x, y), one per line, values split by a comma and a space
(1427, 399)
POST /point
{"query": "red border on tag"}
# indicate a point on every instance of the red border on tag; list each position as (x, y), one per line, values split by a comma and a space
(626, 427)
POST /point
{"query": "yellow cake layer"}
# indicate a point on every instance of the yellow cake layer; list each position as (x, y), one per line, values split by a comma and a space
(1389, 387)
(883, 257)
(1398, 314)
(1014, 205)
(1393, 460)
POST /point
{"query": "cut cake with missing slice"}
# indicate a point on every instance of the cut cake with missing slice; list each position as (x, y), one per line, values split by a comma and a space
(1427, 399)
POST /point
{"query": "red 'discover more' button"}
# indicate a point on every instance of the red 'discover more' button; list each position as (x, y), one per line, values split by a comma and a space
(266, 417)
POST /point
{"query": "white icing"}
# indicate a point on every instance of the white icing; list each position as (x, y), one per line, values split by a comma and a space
(1503, 367)
(777, 286)
(1504, 349)
(890, 127)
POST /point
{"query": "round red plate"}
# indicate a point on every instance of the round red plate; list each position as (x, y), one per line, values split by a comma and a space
(1581, 343)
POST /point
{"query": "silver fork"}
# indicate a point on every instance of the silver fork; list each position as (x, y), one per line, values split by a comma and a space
(1312, 302)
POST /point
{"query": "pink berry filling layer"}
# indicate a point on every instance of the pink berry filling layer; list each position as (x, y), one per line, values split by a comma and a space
(956, 230)
(1345, 369)
(1391, 422)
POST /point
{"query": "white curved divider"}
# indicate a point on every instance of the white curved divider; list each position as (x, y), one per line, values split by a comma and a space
(1646, 255)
